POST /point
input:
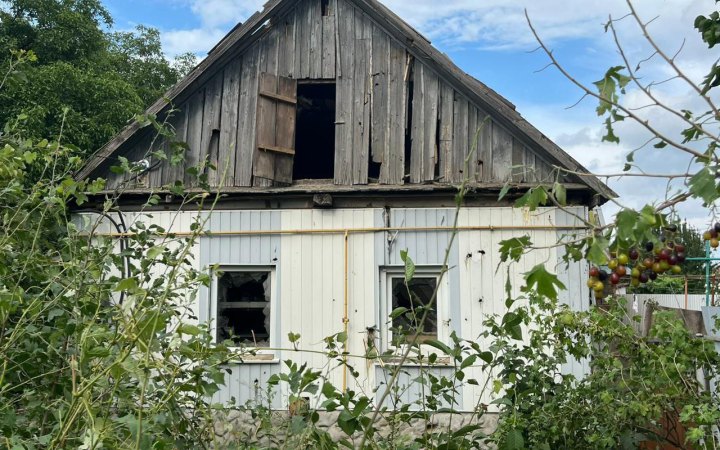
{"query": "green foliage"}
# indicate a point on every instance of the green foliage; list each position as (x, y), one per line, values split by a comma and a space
(101, 78)
(635, 382)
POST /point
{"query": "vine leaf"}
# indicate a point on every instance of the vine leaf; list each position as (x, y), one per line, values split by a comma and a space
(542, 281)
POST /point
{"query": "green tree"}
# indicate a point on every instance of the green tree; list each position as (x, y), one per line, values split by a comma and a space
(100, 78)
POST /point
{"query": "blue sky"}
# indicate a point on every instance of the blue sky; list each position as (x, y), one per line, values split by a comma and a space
(491, 40)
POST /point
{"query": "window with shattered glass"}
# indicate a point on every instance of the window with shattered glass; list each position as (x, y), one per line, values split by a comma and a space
(243, 308)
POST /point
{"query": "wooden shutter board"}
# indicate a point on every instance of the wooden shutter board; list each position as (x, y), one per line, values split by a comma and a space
(285, 130)
(264, 162)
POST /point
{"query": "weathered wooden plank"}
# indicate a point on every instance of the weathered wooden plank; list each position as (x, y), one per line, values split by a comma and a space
(447, 98)
(417, 134)
(345, 94)
(229, 123)
(502, 154)
(518, 161)
(263, 162)
(328, 41)
(154, 175)
(530, 170)
(178, 122)
(246, 119)
(483, 171)
(285, 131)
(194, 134)
(460, 138)
(286, 45)
(211, 126)
(269, 50)
(361, 102)
(316, 38)
(379, 114)
(543, 170)
(430, 105)
(278, 97)
(472, 144)
(302, 42)
(392, 170)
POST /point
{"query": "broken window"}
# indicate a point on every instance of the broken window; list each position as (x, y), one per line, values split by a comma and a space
(416, 299)
(315, 131)
(243, 307)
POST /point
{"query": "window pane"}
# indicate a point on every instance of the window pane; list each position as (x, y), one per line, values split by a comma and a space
(420, 293)
(243, 308)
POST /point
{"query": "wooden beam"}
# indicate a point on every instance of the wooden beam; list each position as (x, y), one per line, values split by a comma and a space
(272, 148)
(278, 97)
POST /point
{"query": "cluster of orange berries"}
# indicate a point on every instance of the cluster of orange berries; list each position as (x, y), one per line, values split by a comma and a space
(665, 257)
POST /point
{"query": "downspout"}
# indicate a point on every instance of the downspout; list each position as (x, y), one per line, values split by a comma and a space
(346, 319)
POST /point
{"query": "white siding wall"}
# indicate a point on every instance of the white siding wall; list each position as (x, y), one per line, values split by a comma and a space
(310, 271)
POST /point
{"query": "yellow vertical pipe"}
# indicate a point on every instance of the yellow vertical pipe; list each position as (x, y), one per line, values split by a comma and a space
(346, 319)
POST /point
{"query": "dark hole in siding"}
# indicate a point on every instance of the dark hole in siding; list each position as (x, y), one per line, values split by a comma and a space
(408, 129)
(373, 167)
(438, 151)
(315, 132)
(325, 7)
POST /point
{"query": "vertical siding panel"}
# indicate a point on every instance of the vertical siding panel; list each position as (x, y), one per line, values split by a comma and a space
(472, 172)
(173, 173)
(530, 171)
(246, 119)
(302, 43)
(424, 124)
(392, 170)
(379, 145)
(460, 140)
(417, 137)
(328, 41)
(502, 154)
(316, 39)
(286, 46)
(430, 105)
(518, 161)
(345, 89)
(361, 123)
(229, 122)
(211, 126)
(485, 148)
(194, 134)
(447, 99)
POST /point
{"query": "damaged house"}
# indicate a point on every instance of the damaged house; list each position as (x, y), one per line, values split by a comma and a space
(340, 135)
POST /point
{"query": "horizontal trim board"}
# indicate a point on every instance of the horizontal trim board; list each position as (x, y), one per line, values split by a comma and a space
(275, 149)
(278, 97)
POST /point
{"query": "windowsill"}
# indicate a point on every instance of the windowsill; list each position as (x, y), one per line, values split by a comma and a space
(442, 362)
(267, 358)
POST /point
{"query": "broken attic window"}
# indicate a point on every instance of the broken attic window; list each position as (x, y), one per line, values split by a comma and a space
(315, 131)
(243, 308)
(416, 297)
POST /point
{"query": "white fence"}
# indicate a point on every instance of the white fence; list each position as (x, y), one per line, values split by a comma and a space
(636, 302)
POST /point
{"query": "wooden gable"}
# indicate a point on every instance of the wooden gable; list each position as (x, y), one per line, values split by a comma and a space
(400, 107)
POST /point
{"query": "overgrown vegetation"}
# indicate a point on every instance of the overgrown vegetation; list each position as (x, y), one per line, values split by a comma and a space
(100, 348)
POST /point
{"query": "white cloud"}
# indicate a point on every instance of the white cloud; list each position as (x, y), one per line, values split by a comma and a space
(218, 13)
(197, 40)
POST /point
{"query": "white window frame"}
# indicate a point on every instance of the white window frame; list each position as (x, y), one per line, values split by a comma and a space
(262, 353)
(441, 305)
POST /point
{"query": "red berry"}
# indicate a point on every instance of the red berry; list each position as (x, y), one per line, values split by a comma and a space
(594, 272)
